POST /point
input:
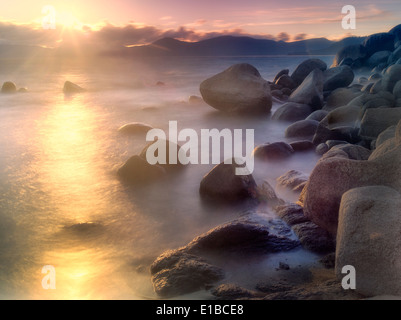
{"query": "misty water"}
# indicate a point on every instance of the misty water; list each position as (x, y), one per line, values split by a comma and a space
(61, 202)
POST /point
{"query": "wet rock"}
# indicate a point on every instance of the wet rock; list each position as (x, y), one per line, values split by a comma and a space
(376, 120)
(230, 291)
(310, 91)
(223, 184)
(267, 194)
(317, 115)
(292, 111)
(314, 238)
(302, 128)
(135, 128)
(22, 90)
(329, 260)
(239, 89)
(293, 180)
(286, 82)
(138, 171)
(337, 77)
(70, 88)
(305, 68)
(369, 239)
(291, 213)
(353, 152)
(175, 273)
(9, 87)
(273, 151)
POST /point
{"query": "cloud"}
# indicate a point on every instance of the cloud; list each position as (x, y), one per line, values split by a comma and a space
(283, 36)
(300, 36)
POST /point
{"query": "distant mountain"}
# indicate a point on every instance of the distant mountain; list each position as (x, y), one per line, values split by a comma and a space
(240, 46)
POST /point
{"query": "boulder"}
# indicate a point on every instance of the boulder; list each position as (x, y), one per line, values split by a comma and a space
(281, 73)
(305, 68)
(376, 120)
(292, 214)
(391, 76)
(387, 134)
(9, 87)
(341, 97)
(135, 128)
(378, 58)
(350, 53)
(337, 77)
(176, 273)
(230, 291)
(70, 88)
(314, 238)
(136, 170)
(222, 184)
(302, 128)
(286, 82)
(397, 90)
(310, 91)
(394, 56)
(379, 42)
(303, 145)
(293, 180)
(317, 115)
(273, 151)
(369, 238)
(342, 116)
(238, 89)
(165, 162)
(195, 99)
(292, 111)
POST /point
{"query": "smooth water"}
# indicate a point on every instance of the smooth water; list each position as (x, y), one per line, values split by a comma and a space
(61, 203)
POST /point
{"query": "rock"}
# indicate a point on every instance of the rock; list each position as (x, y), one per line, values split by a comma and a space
(195, 99)
(342, 116)
(337, 77)
(376, 87)
(367, 87)
(362, 80)
(286, 91)
(303, 145)
(283, 266)
(376, 120)
(391, 76)
(292, 111)
(378, 58)
(292, 214)
(394, 56)
(165, 145)
(134, 128)
(321, 149)
(310, 91)
(230, 291)
(341, 97)
(397, 90)
(305, 68)
(302, 128)
(138, 171)
(9, 87)
(333, 143)
(281, 73)
(329, 260)
(277, 93)
(350, 53)
(353, 152)
(369, 239)
(293, 180)
(239, 89)
(317, 115)
(175, 273)
(286, 82)
(379, 42)
(273, 151)
(222, 184)
(375, 77)
(323, 133)
(387, 134)
(160, 84)
(314, 238)
(22, 90)
(70, 88)
(244, 236)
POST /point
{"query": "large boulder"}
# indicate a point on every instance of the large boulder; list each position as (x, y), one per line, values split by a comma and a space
(305, 68)
(378, 58)
(136, 170)
(337, 77)
(239, 89)
(341, 97)
(302, 128)
(286, 81)
(310, 91)
(176, 273)
(222, 184)
(292, 111)
(273, 151)
(376, 120)
(379, 42)
(294, 180)
(352, 53)
(369, 238)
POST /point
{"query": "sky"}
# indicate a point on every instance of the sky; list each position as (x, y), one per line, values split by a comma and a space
(136, 22)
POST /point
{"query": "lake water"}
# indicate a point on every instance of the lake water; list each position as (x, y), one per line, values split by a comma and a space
(61, 203)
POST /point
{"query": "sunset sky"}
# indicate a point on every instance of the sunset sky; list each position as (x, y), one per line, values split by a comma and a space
(139, 22)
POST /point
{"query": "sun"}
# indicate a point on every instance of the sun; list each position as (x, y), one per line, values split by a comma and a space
(67, 19)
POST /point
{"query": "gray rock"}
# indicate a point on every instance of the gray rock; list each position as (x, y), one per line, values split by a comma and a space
(303, 145)
(239, 89)
(376, 120)
(321, 149)
(353, 152)
(337, 77)
(281, 73)
(375, 77)
(302, 128)
(175, 273)
(351, 53)
(310, 91)
(395, 55)
(376, 87)
(378, 58)
(273, 151)
(138, 171)
(135, 128)
(292, 214)
(317, 115)
(9, 87)
(379, 42)
(368, 238)
(314, 238)
(341, 97)
(305, 68)
(387, 134)
(293, 180)
(391, 76)
(292, 111)
(222, 184)
(165, 145)
(397, 90)
(286, 82)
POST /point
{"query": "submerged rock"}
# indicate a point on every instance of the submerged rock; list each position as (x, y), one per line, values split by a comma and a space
(138, 171)
(273, 151)
(175, 273)
(9, 87)
(70, 87)
(239, 89)
(293, 180)
(134, 128)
